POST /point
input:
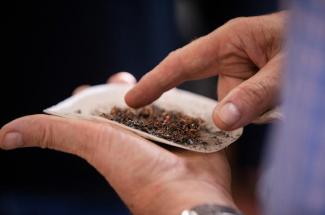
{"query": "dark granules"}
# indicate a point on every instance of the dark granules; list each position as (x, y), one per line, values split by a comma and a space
(170, 125)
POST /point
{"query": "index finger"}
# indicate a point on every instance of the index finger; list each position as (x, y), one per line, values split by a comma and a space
(194, 61)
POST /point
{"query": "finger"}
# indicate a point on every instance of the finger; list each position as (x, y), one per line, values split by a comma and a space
(98, 143)
(80, 89)
(194, 61)
(251, 98)
(122, 77)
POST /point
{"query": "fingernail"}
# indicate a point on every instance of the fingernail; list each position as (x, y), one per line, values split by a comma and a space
(229, 114)
(12, 140)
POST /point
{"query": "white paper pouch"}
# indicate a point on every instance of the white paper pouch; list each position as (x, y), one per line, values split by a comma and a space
(102, 98)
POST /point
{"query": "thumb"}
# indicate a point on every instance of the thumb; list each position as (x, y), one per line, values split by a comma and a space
(250, 99)
(102, 145)
(43, 131)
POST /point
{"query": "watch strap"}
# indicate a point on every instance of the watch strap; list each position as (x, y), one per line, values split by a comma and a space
(211, 209)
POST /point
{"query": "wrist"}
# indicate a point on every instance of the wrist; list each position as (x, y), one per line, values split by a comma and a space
(173, 198)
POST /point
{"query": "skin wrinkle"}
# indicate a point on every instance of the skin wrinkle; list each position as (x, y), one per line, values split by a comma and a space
(162, 192)
(49, 136)
(237, 51)
(192, 185)
(154, 188)
(206, 52)
(162, 80)
(274, 75)
(189, 171)
(269, 40)
(208, 60)
(273, 34)
(148, 192)
(115, 145)
(252, 94)
(46, 137)
(186, 53)
(83, 149)
(264, 56)
(273, 48)
(238, 40)
(238, 69)
(260, 30)
(273, 95)
(261, 92)
(104, 138)
(198, 61)
(149, 167)
(208, 179)
(138, 179)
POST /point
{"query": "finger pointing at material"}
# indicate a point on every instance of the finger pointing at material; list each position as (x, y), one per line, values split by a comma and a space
(193, 61)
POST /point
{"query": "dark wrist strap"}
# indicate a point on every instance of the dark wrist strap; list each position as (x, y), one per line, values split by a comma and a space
(211, 209)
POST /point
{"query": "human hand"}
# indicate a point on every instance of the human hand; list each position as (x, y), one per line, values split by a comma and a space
(246, 55)
(148, 178)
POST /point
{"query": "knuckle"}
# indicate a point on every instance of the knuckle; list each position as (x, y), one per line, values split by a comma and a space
(236, 22)
(176, 59)
(46, 138)
(172, 54)
(100, 140)
(172, 68)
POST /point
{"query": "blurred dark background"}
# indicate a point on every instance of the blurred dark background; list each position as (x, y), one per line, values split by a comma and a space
(54, 46)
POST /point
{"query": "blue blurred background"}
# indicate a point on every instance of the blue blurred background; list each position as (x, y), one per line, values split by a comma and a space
(54, 46)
